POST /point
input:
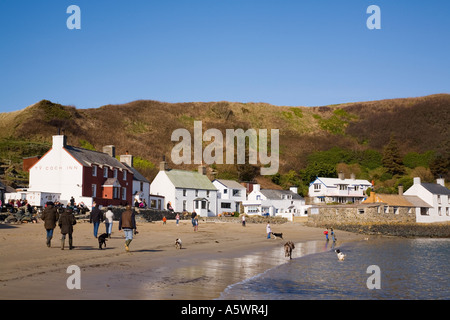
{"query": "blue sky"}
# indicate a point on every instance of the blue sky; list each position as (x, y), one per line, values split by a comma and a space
(295, 53)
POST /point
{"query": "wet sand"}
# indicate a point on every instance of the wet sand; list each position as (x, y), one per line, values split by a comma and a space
(214, 257)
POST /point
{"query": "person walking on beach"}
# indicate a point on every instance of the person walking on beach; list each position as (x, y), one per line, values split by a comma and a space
(127, 222)
(177, 217)
(268, 230)
(96, 217)
(333, 236)
(50, 217)
(66, 223)
(243, 220)
(196, 223)
(326, 234)
(194, 214)
(109, 218)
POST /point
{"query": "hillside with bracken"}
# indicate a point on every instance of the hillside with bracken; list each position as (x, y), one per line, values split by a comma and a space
(351, 137)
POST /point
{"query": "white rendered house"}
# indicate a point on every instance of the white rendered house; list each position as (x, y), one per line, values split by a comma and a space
(186, 190)
(434, 194)
(284, 203)
(230, 195)
(340, 190)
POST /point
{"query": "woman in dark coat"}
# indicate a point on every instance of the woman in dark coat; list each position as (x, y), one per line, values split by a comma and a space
(50, 216)
(66, 223)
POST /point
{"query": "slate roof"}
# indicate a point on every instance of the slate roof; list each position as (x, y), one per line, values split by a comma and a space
(230, 184)
(189, 180)
(273, 194)
(435, 188)
(89, 157)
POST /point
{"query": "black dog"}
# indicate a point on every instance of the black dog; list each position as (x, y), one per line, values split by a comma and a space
(102, 240)
(277, 235)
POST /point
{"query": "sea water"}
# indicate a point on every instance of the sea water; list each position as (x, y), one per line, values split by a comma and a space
(407, 269)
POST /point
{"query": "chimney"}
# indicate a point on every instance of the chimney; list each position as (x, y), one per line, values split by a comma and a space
(441, 181)
(352, 176)
(256, 187)
(202, 169)
(111, 150)
(400, 189)
(163, 166)
(59, 141)
(294, 189)
(341, 175)
(127, 159)
(416, 180)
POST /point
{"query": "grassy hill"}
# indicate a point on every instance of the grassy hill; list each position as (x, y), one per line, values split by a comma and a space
(143, 128)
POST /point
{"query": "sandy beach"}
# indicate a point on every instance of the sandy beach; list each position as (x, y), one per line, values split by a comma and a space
(216, 256)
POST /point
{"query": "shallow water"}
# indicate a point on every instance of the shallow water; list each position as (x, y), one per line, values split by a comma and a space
(408, 269)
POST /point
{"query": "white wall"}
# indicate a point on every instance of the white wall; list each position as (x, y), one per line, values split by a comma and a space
(57, 172)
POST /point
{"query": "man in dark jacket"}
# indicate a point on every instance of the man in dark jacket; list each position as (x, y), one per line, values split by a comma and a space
(50, 217)
(66, 223)
(127, 222)
(96, 217)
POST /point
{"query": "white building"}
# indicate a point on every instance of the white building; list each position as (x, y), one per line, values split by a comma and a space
(186, 190)
(434, 194)
(284, 203)
(339, 190)
(230, 195)
(86, 175)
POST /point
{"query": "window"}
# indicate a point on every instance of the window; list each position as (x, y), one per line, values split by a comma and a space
(225, 191)
(196, 193)
(94, 171)
(439, 211)
(184, 192)
(343, 187)
(447, 211)
(115, 173)
(225, 205)
(115, 193)
(124, 175)
(439, 199)
(94, 190)
(395, 210)
(203, 204)
(236, 193)
(184, 204)
(124, 193)
(361, 210)
(386, 209)
(105, 172)
(207, 193)
(317, 187)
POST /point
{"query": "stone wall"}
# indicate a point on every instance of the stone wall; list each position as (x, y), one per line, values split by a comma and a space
(338, 214)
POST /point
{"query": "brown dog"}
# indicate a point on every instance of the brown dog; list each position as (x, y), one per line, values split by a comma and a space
(288, 247)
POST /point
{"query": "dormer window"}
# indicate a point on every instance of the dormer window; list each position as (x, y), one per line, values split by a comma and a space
(105, 172)
(94, 171)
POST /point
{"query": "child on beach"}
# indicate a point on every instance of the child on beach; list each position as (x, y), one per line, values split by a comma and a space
(326, 234)
(268, 230)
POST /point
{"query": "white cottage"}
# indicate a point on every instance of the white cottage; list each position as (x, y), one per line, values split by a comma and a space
(86, 175)
(284, 203)
(186, 190)
(230, 195)
(339, 190)
(436, 195)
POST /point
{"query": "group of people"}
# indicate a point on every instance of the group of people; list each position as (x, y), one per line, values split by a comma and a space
(333, 235)
(65, 219)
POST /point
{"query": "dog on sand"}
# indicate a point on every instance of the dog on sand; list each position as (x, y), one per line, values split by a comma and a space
(178, 244)
(288, 247)
(102, 240)
(279, 235)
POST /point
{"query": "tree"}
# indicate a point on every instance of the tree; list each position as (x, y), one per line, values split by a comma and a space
(391, 158)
